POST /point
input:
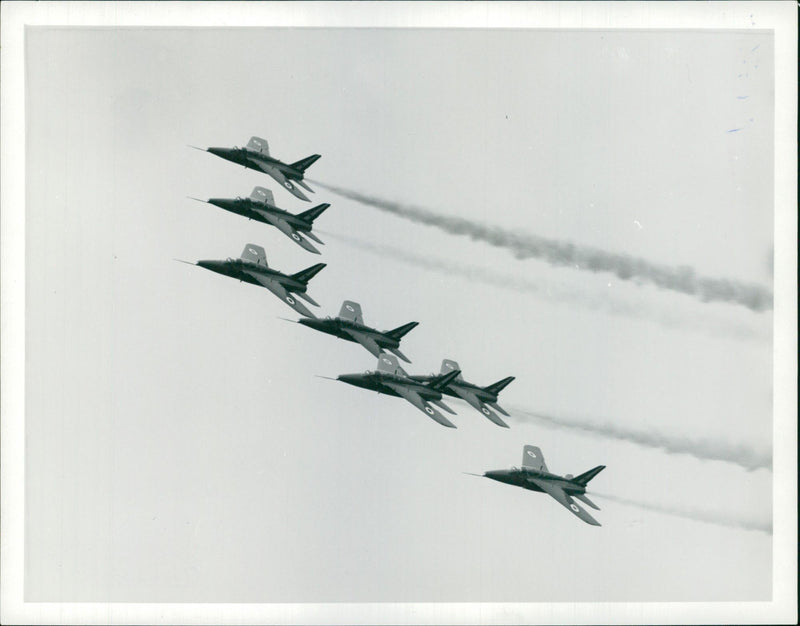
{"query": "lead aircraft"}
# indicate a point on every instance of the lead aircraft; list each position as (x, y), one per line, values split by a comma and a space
(255, 156)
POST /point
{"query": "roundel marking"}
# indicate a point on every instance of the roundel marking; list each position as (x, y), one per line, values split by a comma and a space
(485, 411)
(349, 308)
(531, 454)
(252, 251)
(289, 299)
(574, 507)
(387, 361)
(429, 410)
(295, 236)
(287, 184)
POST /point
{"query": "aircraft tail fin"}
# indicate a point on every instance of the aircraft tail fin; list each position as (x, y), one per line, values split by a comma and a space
(400, 332)
(312, 214)
(584, 478)
(304, 164)
(307, 274)
(441, 382)
(497, 387)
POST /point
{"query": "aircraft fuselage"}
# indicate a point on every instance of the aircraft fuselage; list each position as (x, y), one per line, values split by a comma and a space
(252, 210)
(254, 160)
(519, 478)
(376, 381)
(239, 269)
(338, 327)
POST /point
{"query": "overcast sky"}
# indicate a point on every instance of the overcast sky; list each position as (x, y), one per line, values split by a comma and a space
(179, 446)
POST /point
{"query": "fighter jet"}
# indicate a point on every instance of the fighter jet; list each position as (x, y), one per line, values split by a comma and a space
(255, 156)
(476, 396)
(252, 268)
(534, 475)
(392, 380)
(260, 206)
(349, 325)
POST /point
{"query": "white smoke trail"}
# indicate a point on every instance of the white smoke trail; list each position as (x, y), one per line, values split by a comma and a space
(712, 517)
(703, 449)
(682, 279)
(666, 316)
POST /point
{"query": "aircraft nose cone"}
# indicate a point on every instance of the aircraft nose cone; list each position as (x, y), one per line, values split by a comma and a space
(310, 322)
(222, 203)
(214, 266)
(225, 153)
(498, 475)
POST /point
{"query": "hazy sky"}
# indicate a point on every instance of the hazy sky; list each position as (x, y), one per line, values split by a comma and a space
(179, 446)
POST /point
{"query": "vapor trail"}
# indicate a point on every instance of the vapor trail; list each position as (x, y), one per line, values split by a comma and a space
(703, 449)
(682, 279)
(712, 517)
(666, 316)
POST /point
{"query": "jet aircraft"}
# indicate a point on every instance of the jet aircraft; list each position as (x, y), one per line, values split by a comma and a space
(255, 156)
(349, 325)
(535, 476)
(392, 380)
(252, 268)
(476, 396)
(260, 206)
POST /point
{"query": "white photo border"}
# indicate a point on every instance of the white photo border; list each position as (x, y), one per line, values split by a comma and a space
(780, 17)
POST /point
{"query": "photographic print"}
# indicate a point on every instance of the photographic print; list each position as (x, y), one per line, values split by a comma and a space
(318, 314)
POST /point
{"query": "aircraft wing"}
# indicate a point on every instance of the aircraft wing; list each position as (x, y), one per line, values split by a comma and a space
(273, 171)
(286, 229)
(563, 498)
(474, 401)
(365, 340)
(275, 287)
(414, 398)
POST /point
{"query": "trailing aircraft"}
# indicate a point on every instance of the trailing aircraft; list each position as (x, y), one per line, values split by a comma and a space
(534, 475)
